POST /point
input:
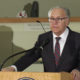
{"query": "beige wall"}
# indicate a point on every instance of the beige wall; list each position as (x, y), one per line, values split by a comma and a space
(10, 8)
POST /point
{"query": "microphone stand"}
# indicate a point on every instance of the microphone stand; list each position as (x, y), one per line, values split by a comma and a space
(41, 25)
(13, 56)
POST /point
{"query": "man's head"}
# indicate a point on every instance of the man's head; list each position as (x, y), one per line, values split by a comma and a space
(58, 19)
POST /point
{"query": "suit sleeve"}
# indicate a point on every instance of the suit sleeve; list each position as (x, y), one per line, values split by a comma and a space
(78, 51)
(78, 67)
(30, 57)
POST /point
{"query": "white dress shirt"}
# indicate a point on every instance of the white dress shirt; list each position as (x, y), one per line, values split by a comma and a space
(62, 41)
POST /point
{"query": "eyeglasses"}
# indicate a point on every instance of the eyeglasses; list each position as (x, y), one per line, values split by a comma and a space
(58, 19)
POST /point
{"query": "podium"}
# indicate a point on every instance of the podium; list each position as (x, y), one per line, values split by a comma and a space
(35, 76)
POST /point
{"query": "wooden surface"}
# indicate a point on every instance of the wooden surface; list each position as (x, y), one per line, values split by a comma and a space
(35, 76)
(23, 20)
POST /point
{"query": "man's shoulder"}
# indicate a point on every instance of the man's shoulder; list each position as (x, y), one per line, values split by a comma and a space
(46, 34)
(76, 33)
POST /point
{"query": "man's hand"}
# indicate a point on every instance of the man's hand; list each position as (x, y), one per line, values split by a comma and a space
(76, 74)
(8, 69)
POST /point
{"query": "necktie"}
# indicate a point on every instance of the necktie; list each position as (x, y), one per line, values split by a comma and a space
(57, 50)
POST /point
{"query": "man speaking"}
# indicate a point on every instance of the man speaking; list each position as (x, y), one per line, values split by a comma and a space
(62, 53)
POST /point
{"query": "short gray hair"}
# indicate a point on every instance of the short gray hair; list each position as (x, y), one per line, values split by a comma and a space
(67, 11)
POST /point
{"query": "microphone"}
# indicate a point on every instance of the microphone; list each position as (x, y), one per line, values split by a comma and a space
(44, 43)
(40, 48)
(36, 49)
(41, 25)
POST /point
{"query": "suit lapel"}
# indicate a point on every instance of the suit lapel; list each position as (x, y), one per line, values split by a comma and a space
(49, 52)
(68, 48)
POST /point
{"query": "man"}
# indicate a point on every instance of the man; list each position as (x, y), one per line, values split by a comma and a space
(58, 55)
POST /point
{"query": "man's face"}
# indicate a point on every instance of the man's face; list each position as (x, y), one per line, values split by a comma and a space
(58, 21)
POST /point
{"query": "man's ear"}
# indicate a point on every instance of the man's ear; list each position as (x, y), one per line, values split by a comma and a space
(67, 21)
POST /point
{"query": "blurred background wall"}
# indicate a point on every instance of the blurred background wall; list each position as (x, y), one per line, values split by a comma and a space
(10, 8)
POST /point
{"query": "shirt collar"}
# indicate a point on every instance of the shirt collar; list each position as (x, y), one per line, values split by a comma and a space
(63, 35)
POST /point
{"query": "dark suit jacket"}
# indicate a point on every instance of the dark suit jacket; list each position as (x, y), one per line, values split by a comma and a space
(69, 60)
